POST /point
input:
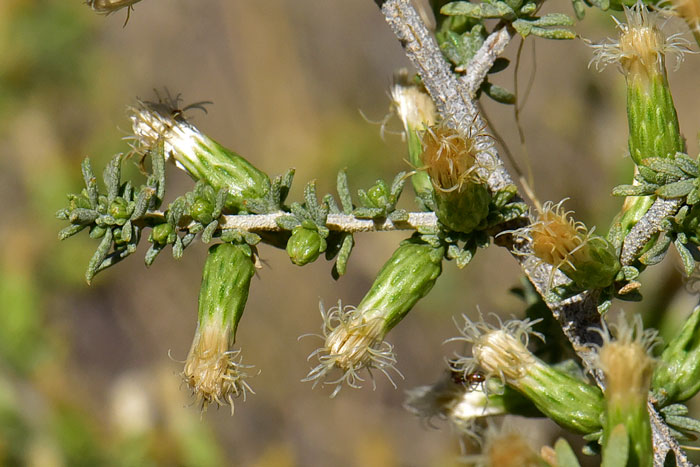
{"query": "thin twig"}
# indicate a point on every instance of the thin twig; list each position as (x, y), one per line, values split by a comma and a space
(647, 227)
(338, 222)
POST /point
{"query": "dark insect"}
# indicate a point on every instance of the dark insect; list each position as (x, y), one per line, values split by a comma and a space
(471, 379)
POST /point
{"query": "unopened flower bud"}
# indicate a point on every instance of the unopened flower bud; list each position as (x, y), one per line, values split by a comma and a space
(200, 156)
(628, 367)
(461, 195)
(501, 352)
(354, 337)
(677, 375)
(213, 370)
(556, 239)
(305, 245)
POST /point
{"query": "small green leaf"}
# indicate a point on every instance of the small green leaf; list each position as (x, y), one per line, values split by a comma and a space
(687, 164)
(663, 165)
(634, 190)
(341, 263)
(498, 93)
(90, 182)
(554, 19)
(686, 257)
(70, 231)
(565, 455)
(676, 189)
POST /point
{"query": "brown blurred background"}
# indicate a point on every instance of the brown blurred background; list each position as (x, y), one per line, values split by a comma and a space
(90, 375)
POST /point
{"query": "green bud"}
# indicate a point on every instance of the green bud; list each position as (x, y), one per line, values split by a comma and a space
(201, 211)
(305, 246)
(200, 156)
(119, 209)
(161, 233)
(677, 375)
(461, 196)
(212, 369)
(354, 337)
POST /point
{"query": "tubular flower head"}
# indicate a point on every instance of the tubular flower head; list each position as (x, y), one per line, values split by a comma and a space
(354, 337)
(460, 191)
(501, 351)
(213, 370)
(417, 111)
(642, 47)
(214, 373)
(194, 152)
(558, 240)
(353, 342)
(628, 367)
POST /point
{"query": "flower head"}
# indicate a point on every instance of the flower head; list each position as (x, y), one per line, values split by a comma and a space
(411, 103)
(164, 120)
(560, 241)
(449, 157)
(642, 46)
(214, 373)
(353, 342)
(624, 357)
(499, 350)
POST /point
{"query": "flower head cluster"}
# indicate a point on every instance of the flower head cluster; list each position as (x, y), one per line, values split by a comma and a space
(214, 373)
(353, 342)
(642, 46)
(499, 350)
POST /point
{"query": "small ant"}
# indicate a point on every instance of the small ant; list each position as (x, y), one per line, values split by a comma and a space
(472, 379)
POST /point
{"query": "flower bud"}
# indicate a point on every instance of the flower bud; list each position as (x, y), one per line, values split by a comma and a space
(305, 246)
(502, 352)
(200, 156)
(213, 370)
(556, 239)
(628, 367)
(161, 233)
(354, 337)
(677, 375)
(417, 111)
(461, 195)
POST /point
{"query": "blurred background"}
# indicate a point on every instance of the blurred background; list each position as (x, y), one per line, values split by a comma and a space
(90, 375)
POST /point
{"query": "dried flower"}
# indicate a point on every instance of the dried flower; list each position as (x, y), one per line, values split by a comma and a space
(460, 191)
(558, 240)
